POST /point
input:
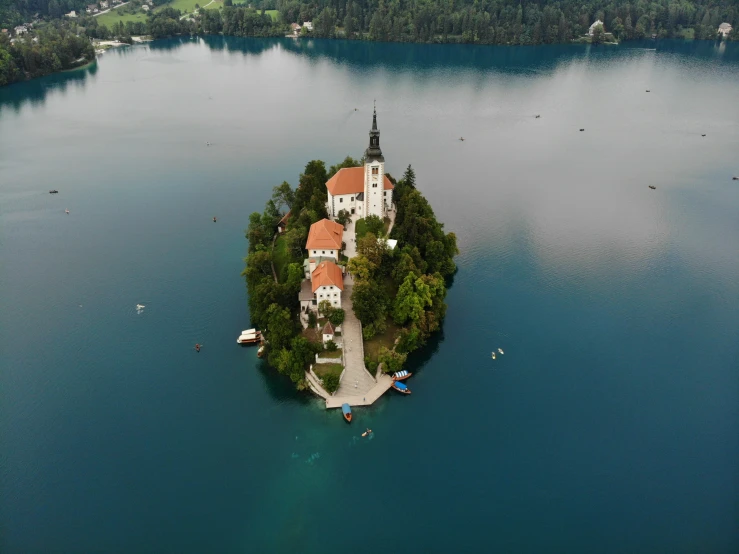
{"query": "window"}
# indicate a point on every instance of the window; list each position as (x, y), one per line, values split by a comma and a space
(384, 193)
(352, 211)
(351, 199)
(374, 185)
(335, 295)
(375, 170)
(323, 251)
(341, 200)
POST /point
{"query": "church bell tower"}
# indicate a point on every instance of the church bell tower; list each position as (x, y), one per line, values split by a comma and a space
(374, 173)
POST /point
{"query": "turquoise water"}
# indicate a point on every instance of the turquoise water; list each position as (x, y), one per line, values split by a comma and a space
(611, 423)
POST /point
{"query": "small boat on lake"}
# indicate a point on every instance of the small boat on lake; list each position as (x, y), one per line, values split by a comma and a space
(260, 352)
(582, 129)
(652, 187)
(367, 432)
(347, 411)
(250, 336)
(400, 387)
(54, 191)
(735, 178)
(401, 375)
(501, 350)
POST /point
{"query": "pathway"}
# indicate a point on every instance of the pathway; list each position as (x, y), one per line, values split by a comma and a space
(356, 381)
(106, 11)
(350, 240)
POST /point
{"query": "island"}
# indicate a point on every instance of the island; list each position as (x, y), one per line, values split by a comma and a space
(347, 275)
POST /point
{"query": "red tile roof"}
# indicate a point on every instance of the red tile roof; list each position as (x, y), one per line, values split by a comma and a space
(327, 274)
(328, 329)
(350, 180)
(326, 235)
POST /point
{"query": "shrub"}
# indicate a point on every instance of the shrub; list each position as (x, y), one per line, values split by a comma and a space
(392, 361)
(312, 320)
(331, 383)
(331, 346)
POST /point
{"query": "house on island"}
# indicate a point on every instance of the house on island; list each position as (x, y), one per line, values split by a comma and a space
(362, 190)
(325, 239)
(328, 332)
(324, 280)
(594, 25)
(282, 224)
(295, 28)
(308, 25)
(724, 29)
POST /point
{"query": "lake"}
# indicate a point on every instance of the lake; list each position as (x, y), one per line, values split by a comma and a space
(610, 425)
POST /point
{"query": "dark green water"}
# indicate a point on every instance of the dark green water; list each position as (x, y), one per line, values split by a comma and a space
(610, 425)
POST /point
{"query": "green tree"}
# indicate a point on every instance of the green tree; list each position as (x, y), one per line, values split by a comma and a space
(391, 360)
(598, 33)
(280, 327)
(283, 196)
(336, 316)
(374, 225)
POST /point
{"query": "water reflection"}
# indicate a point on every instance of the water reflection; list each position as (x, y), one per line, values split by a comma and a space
(35, 91)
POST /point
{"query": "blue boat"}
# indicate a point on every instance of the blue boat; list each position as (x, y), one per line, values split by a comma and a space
(400, 387)
(347, 412)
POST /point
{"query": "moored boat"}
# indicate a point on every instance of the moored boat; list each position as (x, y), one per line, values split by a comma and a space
(400, 387)
(250, 338)
(347, 411)
(260, 352)
(401, 375)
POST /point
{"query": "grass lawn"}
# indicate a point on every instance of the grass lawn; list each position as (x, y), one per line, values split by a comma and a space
(274, 14)
(386, 339)
(326, 369)
(183, 5)
(327, 354)
(281, 258)
(113, 16)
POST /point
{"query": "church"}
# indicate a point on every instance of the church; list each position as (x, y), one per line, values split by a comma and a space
(362, 191)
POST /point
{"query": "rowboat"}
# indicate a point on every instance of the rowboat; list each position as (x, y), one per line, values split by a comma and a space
(260, 352)
(401, 375)
(347, 411)
(400, 387)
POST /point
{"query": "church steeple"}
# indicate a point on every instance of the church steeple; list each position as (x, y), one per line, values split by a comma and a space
(373, 151)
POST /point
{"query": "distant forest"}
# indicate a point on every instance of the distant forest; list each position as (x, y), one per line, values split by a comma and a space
(430, 21)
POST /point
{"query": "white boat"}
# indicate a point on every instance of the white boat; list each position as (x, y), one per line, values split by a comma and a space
(249, 332)
(249, 338)
(493, 355)
(500, 350)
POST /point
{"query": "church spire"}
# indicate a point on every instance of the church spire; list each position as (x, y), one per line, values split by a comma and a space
(373, 151)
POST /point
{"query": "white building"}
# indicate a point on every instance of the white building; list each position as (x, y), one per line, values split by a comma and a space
(362, 190)
(594, 25)
(145, 7)
(327, 283)
(308, 25)
(104, 5)
(328, 332)
(324, 239)
(21, 30)
(724, 29)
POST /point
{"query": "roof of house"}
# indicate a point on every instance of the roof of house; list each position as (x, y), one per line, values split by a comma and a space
(325, 234)
(328, 329)
(327, 274)
(350, 180)
(283, 221)
(724, 26)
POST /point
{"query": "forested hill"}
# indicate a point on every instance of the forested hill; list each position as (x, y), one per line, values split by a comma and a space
(511, 21)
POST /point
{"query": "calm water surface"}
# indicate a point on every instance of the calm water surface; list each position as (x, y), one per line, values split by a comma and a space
(610, 425)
